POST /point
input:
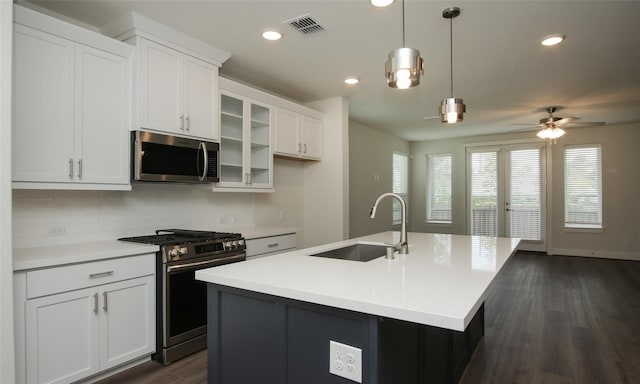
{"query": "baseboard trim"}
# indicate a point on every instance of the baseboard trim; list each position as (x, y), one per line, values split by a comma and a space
(635, 256)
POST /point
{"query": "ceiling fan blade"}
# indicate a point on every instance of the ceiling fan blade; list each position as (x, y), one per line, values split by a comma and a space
(566, 120)
(529, 128)
(585, 124)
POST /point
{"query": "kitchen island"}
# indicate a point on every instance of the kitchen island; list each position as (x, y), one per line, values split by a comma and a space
(413, 319)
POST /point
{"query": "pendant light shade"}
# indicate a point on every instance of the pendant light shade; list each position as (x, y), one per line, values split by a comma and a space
(403, 68)
(452, 109)
(404, 65)
(551, 133)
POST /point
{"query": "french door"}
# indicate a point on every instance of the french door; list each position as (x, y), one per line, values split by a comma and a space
(506, 193)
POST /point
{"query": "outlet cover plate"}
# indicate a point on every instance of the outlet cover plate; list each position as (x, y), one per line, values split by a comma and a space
(345, 361)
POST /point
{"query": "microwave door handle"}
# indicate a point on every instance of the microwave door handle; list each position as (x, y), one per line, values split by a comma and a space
(203, 147)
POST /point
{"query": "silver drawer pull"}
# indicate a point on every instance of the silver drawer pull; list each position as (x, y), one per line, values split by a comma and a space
(95, 303)
(104, 294)
(272, 245)
(100, 274)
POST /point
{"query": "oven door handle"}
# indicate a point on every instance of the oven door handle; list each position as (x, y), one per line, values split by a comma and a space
(203, 264)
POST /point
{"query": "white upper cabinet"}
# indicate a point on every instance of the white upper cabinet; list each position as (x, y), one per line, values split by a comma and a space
(71, 106)
(297, 135)
(176, 78)
(177, 93)
(246, 158)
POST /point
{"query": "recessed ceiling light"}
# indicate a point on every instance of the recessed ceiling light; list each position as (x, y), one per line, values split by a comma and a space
(381, 3)
(351, 80)
(272, 35)
(552, 40)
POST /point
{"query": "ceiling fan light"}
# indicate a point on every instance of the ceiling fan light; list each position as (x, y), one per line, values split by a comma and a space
(452, 110)
(551, 133)
(403, 68)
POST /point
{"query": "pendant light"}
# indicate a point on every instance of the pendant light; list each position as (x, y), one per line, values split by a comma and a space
(404, 65)
(452, 109)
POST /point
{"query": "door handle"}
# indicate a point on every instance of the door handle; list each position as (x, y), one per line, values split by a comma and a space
(80, 169)
(203, 147)
(71, 169)
(95, 303)
(181, 122)
(104, 295)
(188, 118)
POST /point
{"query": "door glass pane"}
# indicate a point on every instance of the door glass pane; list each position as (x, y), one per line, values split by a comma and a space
(525, 201)
(484, 193)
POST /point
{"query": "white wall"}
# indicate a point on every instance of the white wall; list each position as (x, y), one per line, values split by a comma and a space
(99, 215)
(285, 206)
(7, 355)
(621, 188)
(326, 183)
(371, 174)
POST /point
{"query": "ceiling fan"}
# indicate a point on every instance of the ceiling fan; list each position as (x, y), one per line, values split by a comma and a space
(552, 125)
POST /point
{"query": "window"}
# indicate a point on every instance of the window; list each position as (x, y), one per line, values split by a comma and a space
(400, 183)
(582, 187)
(439, 188)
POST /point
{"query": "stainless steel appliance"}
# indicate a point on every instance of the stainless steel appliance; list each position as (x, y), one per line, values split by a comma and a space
(181, 320)
(159, 157)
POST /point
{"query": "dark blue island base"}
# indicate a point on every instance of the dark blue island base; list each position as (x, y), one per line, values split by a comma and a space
(257, 338)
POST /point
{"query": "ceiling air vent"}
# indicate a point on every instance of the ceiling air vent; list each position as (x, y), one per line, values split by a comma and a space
(305, 24)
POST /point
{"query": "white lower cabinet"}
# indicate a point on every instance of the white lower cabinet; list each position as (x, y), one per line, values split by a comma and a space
(271, 245)
(77, 333)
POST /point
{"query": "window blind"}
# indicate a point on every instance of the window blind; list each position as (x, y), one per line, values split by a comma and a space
(400, 184)
(582, 187)
(439, 188)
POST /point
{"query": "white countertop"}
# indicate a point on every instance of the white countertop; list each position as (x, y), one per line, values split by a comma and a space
(441, 282)
(54, 255)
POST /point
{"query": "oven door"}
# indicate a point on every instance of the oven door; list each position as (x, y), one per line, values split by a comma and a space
(185, 298)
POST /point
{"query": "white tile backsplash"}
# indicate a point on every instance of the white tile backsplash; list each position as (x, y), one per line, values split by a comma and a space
(49, 217)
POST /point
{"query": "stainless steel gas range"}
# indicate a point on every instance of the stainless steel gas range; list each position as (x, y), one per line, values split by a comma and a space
(181, 312)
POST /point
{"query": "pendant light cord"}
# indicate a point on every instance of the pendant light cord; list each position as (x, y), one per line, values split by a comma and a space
(403, 43)
(451, 51)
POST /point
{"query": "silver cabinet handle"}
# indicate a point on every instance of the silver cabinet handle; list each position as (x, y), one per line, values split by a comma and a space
(203, 147)
(100, 274)
(247, 178)
(95, 303)
(249, 174)
(71, 168)
(272, 245)
(188, 118)
(299, 147)
(80, 169)
(104, 295)
(305, 148)
(182, 122)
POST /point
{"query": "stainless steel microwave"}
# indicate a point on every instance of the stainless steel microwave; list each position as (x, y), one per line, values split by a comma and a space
(160, 157)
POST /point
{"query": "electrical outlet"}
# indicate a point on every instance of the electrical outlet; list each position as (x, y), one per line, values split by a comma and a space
(57, 231)
(345, 361)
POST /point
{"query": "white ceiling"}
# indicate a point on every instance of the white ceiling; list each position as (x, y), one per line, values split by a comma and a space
(501, 71)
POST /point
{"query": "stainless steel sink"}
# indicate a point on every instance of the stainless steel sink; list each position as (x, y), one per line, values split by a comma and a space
(357, 252)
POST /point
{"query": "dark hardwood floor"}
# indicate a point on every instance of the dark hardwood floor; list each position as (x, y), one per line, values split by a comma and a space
(549, 319)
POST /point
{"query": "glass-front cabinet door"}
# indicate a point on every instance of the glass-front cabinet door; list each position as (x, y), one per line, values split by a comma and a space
(246, 159)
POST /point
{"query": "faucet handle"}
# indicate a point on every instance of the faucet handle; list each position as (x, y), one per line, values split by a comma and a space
(391, 253)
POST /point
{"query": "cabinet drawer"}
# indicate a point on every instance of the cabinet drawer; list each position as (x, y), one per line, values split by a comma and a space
(70, 277)
(271, 244)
